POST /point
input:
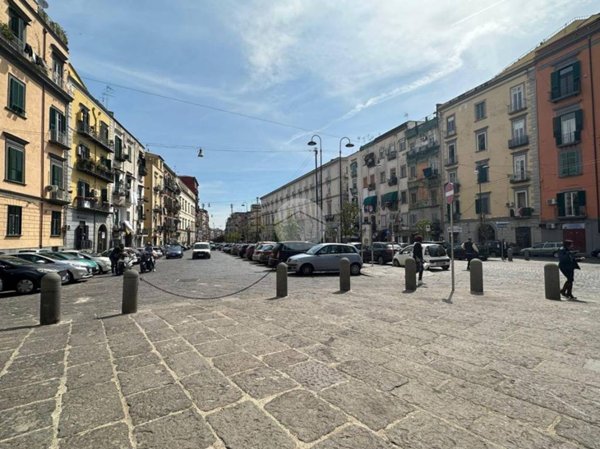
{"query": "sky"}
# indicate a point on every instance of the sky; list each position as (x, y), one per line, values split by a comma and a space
(251, 81)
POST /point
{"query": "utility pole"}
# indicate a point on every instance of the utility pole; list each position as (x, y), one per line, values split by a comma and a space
(257, 203)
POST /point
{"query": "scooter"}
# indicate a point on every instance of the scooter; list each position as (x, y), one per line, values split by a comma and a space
(146, 262)
(124, 263)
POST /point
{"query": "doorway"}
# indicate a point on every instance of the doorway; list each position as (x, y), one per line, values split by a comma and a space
(523, 237)
(102, 239)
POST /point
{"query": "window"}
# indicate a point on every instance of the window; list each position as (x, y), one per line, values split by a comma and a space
(566, 81)
(402, 145)
(372, 179)
(365, 182)
(56, 174)
(413, 198)
(58, 126)
(413, 171)
(103, 131)
(482, 204)
(451, 152)
(517, 98)
(403, 197)
(521, 199)
(433, 197)
(480, 110)
(481, 140)
(392, 173)
(520, 167)
(413, 219)
(13, 227)
(450, 125)
(569, 163)
(403, 171)
(16, 96)
(118, 147)
(83, 189)
(482, 170)
(55, 224)
(17, 24)
(382, 179)
(567, 128)
(57, 69)
(452, 177)
(15, 166)
(518, 128)
(571, 204)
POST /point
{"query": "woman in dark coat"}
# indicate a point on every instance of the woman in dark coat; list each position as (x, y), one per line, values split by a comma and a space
(567, 265)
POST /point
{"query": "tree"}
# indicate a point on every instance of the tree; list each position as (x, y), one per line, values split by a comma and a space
(423, 228)
(350, 217)
(232, 237)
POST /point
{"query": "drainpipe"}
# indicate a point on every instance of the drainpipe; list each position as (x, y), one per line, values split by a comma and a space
(42, 151)
(594, 134)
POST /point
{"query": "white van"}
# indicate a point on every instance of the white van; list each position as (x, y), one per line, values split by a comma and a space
(201, 250)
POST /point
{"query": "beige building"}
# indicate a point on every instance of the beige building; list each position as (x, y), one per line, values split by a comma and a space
(490, 154)
(187, 214)
(154, 214)
(34, 127)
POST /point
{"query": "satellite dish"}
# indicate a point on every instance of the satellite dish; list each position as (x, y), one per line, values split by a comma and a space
(43, 3)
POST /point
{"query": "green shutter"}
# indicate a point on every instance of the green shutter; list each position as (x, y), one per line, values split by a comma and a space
(578, 124)
(21, 96)
(560, 202)
(52, 118)
(555, 83)
(15, 165)
(581, 198)
(557, 130)
(576, 76)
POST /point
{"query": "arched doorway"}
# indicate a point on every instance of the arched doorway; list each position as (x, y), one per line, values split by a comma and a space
(82, 240)
(486, 232)
(102, 238)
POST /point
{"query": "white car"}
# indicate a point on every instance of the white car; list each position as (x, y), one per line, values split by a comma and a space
(201, 250)
(434, 256)
(102, 261)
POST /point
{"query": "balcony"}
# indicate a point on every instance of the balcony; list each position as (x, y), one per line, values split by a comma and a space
(121, 196)
(60, 196)
(566, 91)
(158, 188)
(92, 204)
(392, 155)
(121, 157)
(393, 181)
(423, 151)
(371, 186)
(569, 138)
(370, 160)
(517, 106)
(450, 132)
(90, 132)
(523, 212)
(60, 138)
(518, 141)
(516, 178)
(101, 171)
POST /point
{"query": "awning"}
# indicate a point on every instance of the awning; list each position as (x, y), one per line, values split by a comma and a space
(370, 201)
(128, 227)
(389, 198)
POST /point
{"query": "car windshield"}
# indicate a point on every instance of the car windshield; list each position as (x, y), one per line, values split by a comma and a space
(437, 251)
(175, 248)
(66, 256)
(201, 246)
(314, 249)
(57, 256)
(16, 261)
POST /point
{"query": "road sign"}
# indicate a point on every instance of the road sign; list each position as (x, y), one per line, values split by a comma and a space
(501, 224)
(449, 192)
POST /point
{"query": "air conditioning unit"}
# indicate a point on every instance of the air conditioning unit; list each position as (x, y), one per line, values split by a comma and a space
(93, 193)
(551, 202)
(52, 188)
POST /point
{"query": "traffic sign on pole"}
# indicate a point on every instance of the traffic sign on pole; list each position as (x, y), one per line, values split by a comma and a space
(449, 192)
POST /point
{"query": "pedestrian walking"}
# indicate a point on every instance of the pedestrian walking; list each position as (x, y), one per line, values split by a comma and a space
(567, 264)
(471, 251)
(114, 256)
(418, 256)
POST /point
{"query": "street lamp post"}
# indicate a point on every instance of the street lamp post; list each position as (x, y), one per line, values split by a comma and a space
(318, 179)
(349, 144)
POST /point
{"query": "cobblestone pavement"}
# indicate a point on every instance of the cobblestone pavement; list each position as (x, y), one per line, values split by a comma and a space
(372, 368)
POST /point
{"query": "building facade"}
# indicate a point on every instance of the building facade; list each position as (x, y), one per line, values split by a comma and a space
(153, 199)
(568, 107)
(35, 98)
(199, 220)
(187, 214)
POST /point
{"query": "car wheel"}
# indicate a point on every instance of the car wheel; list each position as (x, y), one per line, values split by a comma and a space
(208, 257)
(25, 286)
(445, 268)
(355, 269)
(380, 260)
(395, 263)
(70, 278)
(306, 269)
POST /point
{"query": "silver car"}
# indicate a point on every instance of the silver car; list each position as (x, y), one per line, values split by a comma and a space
(325, 258)
(75, 272)
(102, 261)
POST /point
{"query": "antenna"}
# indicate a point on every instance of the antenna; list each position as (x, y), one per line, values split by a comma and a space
(106, 94)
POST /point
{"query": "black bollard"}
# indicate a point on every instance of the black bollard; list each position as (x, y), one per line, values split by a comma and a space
(510, 254)
(410, 274)
(282, 274)
(551, 281)
(50, 299)
(131, 282)
(476, 277)
(526, 254)
(344, 274)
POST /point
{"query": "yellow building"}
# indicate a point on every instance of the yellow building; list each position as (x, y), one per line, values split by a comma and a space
(88, 219)
(34, 124)
(154, 216)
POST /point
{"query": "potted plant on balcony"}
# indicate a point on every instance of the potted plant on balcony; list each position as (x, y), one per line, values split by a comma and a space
(6, 32)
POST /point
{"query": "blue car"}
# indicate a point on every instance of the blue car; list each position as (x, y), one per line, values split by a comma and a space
(174, 252)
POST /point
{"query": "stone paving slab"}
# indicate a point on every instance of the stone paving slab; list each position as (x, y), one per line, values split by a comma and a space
(373, 368)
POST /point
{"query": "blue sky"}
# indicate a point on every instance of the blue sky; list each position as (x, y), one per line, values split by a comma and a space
(340, 68)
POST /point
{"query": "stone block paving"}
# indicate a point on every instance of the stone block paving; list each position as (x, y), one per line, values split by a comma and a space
(374, 368)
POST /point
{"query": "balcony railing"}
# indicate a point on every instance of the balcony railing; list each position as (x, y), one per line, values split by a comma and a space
(567, 90)
(98, 170)
(517, 106)
(452, 161)
(92, 203)
(60, 196)
(60, 138)
(393, 181)
(570, 138)
(89, 131)
(520, 177)
(518, 141)
(392, 155)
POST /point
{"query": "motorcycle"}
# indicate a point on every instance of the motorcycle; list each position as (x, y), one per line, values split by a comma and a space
(146, 262)
(124, 263)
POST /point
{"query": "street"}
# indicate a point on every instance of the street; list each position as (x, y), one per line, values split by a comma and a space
(371, 368)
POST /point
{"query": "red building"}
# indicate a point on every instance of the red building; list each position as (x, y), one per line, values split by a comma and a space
(568, 111)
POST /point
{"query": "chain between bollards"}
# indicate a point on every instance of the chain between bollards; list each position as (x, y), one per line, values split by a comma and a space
(50, 299)
(131, 283)
(282, 284)
(344, 274)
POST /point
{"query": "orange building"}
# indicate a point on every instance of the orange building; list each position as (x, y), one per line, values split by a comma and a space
(568, 110)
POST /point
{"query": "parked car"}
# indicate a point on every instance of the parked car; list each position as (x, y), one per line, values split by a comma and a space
(70, 258)
(103, 262)
(75, 271)
(242, 250)
(226, 248)
(325, 257)
(250, 251)
(34, 250)
(174, 252)
(383, 252)
(282, 251)
(23, 276)
(265, 252)
(201, 250)
(544, 249)
(434, 256)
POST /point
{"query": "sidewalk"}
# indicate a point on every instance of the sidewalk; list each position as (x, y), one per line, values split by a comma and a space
(373, 368)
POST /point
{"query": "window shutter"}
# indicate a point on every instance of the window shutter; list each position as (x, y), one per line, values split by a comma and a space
(557, 130)
(555, 85)
(52, 118)
(12, 101)
(20, 96)
(478, 206)
(581, 198)
(577, 76)
(578, 124)
(17, 157)
(560, 202)
(63, 123)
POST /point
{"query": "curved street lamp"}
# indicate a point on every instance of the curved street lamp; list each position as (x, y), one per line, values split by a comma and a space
(349, 144)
